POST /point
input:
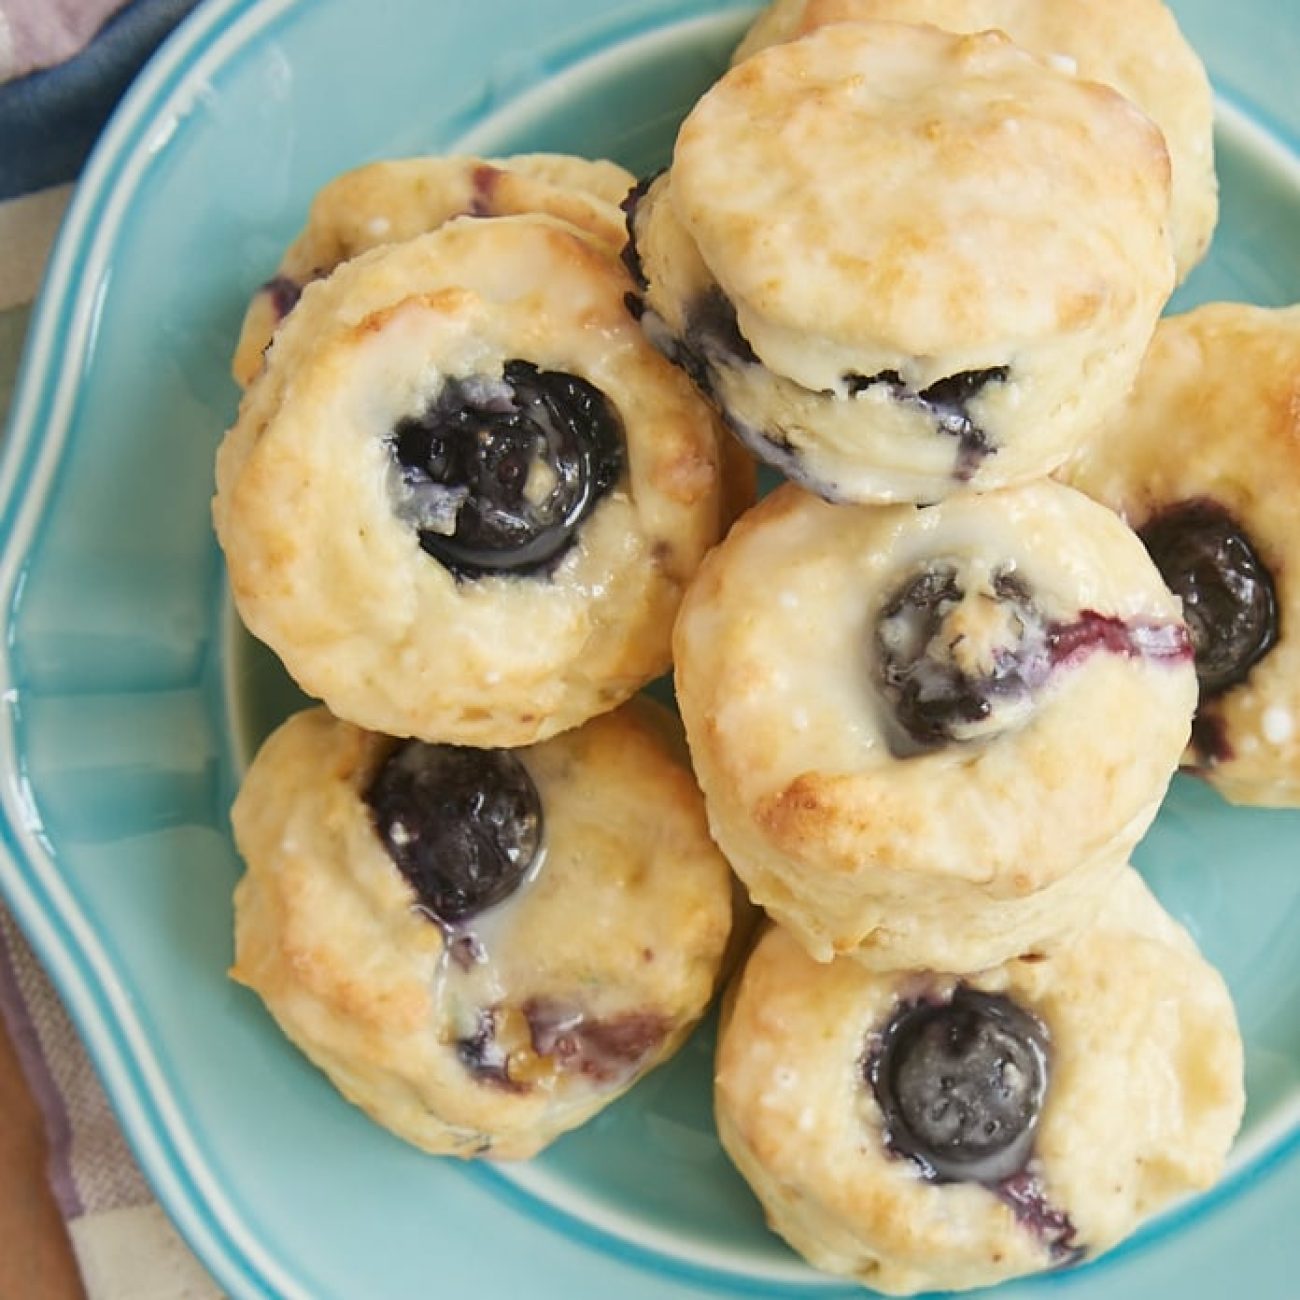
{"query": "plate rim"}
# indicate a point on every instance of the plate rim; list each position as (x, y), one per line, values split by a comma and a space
(60, 341)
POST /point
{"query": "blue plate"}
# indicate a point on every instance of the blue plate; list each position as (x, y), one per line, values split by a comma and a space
(132, 698)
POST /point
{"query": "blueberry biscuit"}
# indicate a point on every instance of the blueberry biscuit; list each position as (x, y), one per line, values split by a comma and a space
(387, 202)
(463, 499)
(481, 948)
(1134, 46)
(1204, 461)
(931, 737)
(903, 262)
(922, 1131)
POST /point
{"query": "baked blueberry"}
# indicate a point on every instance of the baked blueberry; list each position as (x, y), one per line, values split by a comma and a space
(462, 825)
(1210, 738)
(1229, 601)
(629, 256)
(603, 1050)
(961, 1085)
(947, 402)
(483, 1056)
(711, 343)
(958, 658)
(713, 333)
(484, 180)
(498, 475)
(712, 340)
(1069, 641)
(283, 293)
(1023, 1191)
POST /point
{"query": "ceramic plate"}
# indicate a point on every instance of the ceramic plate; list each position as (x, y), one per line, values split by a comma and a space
(131, 697)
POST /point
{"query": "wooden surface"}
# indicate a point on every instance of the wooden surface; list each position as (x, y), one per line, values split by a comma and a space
(36, 1261)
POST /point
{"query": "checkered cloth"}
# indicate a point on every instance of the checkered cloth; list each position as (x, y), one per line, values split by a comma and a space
(63, 65)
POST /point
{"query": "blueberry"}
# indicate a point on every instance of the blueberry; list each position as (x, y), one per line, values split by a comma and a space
(947, 403)
(713, 332)
(630, 254)
(606, 1051)
(710, 344)
(483, 1056)
(1229, 601)
(498, 475)
(484, 184)
(462, 825)
(1210, 737)
(1073, 640)
(283, 293)
(1024, 1193)
(941, 682)
(960, 1085)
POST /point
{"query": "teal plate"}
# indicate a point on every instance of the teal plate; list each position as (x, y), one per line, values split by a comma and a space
(131, 698)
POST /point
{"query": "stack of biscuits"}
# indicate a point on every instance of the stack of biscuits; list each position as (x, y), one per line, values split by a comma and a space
(933, 695)
(911, 256)
(461, 502)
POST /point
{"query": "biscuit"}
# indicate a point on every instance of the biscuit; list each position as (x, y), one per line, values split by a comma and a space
(931, 737)
(1118, 1070)
(1204, 461)
(903, 263)
(464, 498)
(1134, 46)
(387, 202)
(521, 968)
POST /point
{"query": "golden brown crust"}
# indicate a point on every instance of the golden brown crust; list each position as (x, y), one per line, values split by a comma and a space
(1132, 1011)
(831, 136)
(387, 202)
(887, 208)
(323, 570)
(959, 856)
(1133, 45)
(1215, 415)
(628, 917)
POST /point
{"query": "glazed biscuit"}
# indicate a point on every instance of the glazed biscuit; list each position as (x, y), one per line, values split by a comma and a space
(1204, 461)
(387, 202)
(1134, 46)
(931, 737)
(858, 1105)
(904, 263)
(481, 948)
(464, 498)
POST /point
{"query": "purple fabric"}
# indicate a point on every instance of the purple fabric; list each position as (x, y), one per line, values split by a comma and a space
(40, 33)
(58, 1128)
(91, 1169)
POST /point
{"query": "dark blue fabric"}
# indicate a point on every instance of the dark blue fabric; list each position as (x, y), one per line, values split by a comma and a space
(50, 119)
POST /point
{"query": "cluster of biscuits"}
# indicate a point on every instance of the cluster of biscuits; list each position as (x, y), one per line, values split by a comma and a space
(461, 502)
(934, 696)
(912, 254)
